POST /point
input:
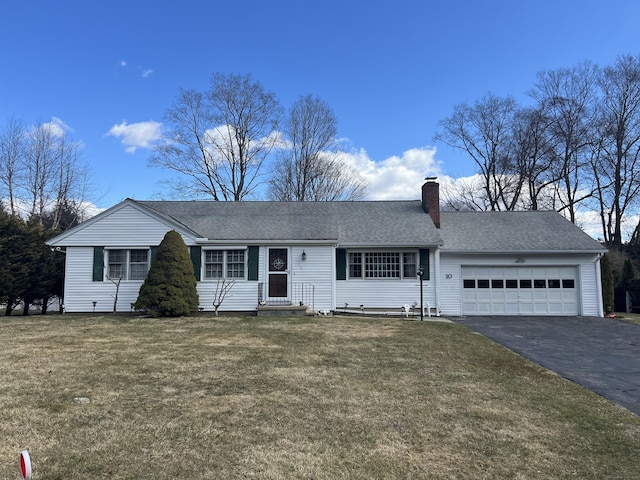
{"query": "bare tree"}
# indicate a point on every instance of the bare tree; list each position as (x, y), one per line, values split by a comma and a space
(219, 140)
(465, 194)
(616, 161)
(12, 144)
(116, 282)
(309, 168)
(533, 159)
(69, 185)
(54, 177)
(223, 285)
(42, 173)
(566, 97)
(484, 131)
(41, 158)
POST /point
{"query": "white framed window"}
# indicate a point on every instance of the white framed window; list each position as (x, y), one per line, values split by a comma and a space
(127, 264)
(382, 265)
(355, 265)
(409, 265)
(224, 264)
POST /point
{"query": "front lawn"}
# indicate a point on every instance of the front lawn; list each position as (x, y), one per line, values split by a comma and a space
(315, 398)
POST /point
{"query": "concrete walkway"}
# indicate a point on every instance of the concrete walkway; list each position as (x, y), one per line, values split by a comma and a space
(600, 354)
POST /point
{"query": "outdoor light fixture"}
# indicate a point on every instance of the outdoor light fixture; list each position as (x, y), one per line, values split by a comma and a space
(304, 255)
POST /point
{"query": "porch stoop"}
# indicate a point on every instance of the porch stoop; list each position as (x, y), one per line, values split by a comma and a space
(283, 310)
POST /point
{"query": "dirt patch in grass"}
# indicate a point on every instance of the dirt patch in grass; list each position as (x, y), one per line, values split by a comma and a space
(322, 398)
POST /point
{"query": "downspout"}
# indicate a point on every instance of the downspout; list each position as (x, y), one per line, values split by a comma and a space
(333, 278)
(436, 261)
(599, 283)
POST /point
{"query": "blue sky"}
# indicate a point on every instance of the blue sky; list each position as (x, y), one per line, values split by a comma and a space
(391, 70)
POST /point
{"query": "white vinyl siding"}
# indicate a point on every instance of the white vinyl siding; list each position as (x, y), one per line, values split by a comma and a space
(81, 292)
(389, 293)
(316, 270)
(588, 288)
(125, 225)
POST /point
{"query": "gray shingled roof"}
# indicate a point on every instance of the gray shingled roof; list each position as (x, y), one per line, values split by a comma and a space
(391, 223)
(541, 231)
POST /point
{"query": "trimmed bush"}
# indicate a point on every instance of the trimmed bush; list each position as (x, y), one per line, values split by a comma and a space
(170, 287)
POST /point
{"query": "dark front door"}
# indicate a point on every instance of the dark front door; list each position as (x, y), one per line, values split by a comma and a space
(278, 272)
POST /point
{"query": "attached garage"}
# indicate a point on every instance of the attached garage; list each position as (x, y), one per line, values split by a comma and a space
(521, 263)
(519, 290)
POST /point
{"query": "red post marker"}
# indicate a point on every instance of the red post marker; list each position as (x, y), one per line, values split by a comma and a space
(25, 465)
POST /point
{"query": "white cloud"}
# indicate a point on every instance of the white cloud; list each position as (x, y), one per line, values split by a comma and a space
(123, 63)
(137, 135)
(396, 178)
(57, 127)
(147, 73)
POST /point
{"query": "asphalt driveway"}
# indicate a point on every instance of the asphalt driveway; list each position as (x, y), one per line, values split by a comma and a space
(600, 354)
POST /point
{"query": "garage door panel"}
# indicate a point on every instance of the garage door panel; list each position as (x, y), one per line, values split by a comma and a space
(484, 309)
(497, 296)
(554, 296)
(556, 308)
(526, 296)
(512, 308)
(526, 308)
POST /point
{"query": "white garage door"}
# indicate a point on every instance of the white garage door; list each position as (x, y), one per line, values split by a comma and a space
(519, 291)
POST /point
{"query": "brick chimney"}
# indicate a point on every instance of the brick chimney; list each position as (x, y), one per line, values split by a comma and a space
(431, 199)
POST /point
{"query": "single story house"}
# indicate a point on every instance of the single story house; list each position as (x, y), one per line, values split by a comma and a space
(334, 256)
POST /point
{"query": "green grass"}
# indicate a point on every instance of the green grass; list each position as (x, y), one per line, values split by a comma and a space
(628, 317)
(316, 398)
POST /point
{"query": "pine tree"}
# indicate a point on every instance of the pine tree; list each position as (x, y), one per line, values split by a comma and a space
(170, 287)
(14, 261)
(607, 284)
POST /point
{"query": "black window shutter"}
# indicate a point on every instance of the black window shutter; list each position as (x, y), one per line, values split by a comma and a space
(98, 264)
(341, 264)
(424, 261)
(196, 259)
(252, 262)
